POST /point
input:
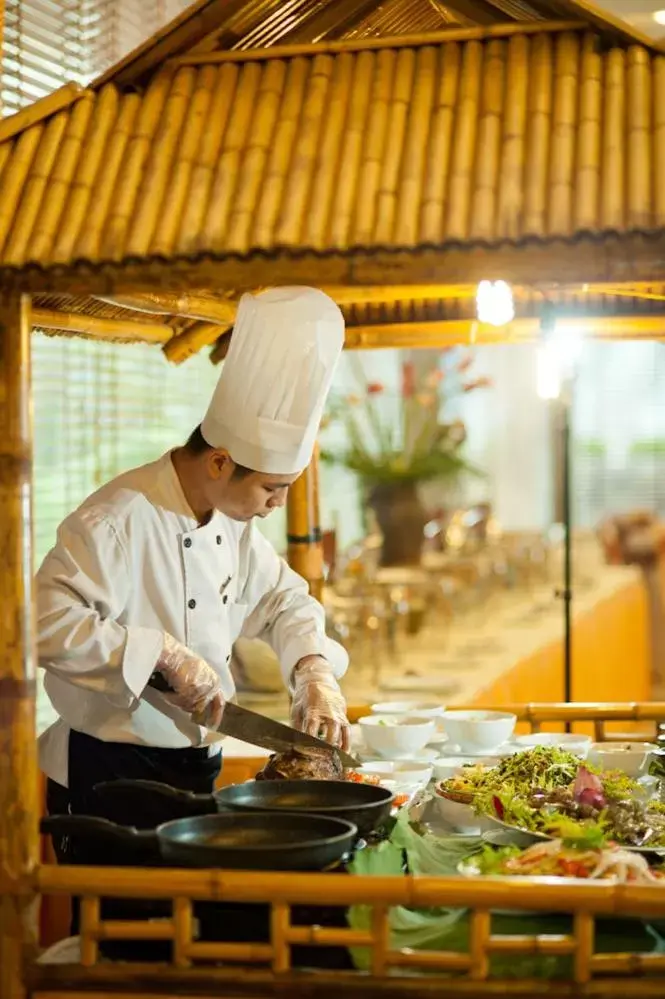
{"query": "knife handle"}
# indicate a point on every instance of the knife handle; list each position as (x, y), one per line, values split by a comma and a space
(158, 682)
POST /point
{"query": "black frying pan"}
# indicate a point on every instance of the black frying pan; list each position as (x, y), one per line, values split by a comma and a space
(251, 841)
(364, 805)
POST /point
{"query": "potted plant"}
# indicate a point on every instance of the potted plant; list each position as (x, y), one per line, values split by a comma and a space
(395, 442)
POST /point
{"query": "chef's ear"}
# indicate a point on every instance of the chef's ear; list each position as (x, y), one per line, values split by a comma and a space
(219, 463)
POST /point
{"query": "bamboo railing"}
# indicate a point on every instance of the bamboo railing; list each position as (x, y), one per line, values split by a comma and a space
(266, 967)
(585, 902)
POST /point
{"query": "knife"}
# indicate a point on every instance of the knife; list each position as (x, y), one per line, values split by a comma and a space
(249, 726)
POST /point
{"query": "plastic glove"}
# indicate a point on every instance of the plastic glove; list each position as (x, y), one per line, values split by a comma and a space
(196, 686)
(318, 707)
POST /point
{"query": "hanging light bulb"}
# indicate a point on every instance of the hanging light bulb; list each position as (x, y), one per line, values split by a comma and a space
(494, 303)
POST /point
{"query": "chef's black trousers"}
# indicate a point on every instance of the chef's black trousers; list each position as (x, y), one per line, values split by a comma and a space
(91, 762)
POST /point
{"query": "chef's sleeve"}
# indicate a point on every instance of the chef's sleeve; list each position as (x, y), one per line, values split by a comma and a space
(83, 587)
(281, 611)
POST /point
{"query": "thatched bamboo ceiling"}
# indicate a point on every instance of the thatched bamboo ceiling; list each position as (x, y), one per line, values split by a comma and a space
(540, 136)
(210, 158)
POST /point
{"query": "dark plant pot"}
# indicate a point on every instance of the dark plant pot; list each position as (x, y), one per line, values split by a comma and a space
(401, 518)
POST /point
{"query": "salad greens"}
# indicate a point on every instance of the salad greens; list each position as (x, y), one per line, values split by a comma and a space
(549, 791)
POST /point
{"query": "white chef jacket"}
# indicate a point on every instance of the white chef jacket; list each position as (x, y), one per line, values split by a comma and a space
(132, 563)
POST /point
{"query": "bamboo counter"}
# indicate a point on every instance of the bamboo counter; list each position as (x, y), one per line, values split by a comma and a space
(266, 969)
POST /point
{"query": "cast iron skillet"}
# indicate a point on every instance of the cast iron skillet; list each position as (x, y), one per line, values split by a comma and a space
(251, 841)
(364, 805)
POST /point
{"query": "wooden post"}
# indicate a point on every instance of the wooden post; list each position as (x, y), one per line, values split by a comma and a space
(305, 551)
(19, 801)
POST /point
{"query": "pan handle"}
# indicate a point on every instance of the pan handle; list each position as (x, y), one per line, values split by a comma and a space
(193, 804)
(138, 840)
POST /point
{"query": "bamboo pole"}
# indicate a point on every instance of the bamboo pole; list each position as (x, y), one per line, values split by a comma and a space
(414, 154)
(490, 120)
(169, 304)
(464, 144)
(180, 348)
(513, 144)
(79, 204)
(33, 193)
(374, 44)
(638, 138)
(435, 189)
(19, 803)
(538, 133)
(35, 113)
(372, 156)
(156, 175)
(305, 551)
(353, 139)
(564, 127)
(449, 332)
(61, 180)
(613, 141)
(589, 164)
(112, 145)
(397, 145)
(102, 329)
(658, 84)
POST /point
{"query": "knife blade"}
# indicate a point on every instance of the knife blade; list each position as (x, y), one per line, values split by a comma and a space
(249, 726)
(257, 730)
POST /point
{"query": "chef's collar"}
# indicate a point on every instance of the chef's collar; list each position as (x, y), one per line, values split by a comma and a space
(176, 496)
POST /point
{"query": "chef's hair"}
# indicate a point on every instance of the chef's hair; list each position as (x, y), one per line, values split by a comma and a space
(198, 445)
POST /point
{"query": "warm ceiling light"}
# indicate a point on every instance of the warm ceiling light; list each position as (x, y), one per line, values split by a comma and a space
(494, 303)
(659, 16)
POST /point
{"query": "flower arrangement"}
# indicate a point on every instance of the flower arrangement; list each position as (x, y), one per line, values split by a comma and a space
(405, 440)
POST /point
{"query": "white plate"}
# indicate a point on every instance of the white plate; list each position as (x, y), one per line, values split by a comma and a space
(409, 774)
(365, 755)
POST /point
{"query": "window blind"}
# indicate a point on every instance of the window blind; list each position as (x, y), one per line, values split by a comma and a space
(51, 42)
(618, 423)
(101, 408)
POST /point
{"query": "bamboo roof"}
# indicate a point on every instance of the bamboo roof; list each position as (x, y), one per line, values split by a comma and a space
(543, 135)
(254, 143)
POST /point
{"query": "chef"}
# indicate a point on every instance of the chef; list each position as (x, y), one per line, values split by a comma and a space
(163, 568)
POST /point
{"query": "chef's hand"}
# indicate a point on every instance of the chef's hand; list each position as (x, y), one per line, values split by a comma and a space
(318, 707)
(196, 687)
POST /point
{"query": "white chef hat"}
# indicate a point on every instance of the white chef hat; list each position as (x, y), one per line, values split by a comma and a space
(269, 400)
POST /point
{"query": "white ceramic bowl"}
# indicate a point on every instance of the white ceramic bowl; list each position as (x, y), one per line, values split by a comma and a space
(461, 818)
(413, 709)
(449, 766)
(578, 744)
(401, 771)
(478, 731)
(630, 757)
(394, 737)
